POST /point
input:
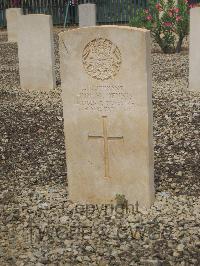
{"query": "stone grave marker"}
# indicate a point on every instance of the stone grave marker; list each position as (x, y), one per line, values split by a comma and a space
(87, 15)
(106, 92)
(194, 54)
(12, 16)
(36, 52)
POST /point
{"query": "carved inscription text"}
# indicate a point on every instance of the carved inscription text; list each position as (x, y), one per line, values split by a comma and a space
(105, 99)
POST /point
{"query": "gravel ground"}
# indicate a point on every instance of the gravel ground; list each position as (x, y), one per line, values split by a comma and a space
(40, 226)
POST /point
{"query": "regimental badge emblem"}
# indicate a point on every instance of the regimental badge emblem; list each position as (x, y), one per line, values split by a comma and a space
(101, 59)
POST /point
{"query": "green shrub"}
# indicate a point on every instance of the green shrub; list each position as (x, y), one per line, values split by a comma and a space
(167, 21)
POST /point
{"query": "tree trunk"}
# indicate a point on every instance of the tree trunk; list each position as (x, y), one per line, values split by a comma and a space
(179, 44)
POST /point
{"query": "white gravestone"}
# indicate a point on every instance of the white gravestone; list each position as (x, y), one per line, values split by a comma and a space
(106, 92)
(12, 15)
(194, 52)
(87, 15)
(36, 52)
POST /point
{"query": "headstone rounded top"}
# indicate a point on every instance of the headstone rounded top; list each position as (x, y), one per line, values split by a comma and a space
(38, 15)
(111, 27)
(84, 4)
(14, 8)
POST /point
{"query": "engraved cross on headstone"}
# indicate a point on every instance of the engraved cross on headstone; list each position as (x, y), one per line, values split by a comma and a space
(106, 139)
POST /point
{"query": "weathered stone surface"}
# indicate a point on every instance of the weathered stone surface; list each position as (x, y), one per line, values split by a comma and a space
(36, 52)
(106, 83)
(87, 15)
(194, 55)
(12, 15)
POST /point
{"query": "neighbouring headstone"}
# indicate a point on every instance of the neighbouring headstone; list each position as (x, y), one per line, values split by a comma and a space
(87, 15)
(106, 92)
(12, 16)
(194, 54)
(36, 52)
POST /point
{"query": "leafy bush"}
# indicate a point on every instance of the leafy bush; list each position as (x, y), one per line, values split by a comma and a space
(167, 21)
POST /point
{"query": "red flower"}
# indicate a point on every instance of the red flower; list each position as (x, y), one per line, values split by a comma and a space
(167, 24)
(178, 18)
(159, 7)
(176, 10)
(149, 17)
